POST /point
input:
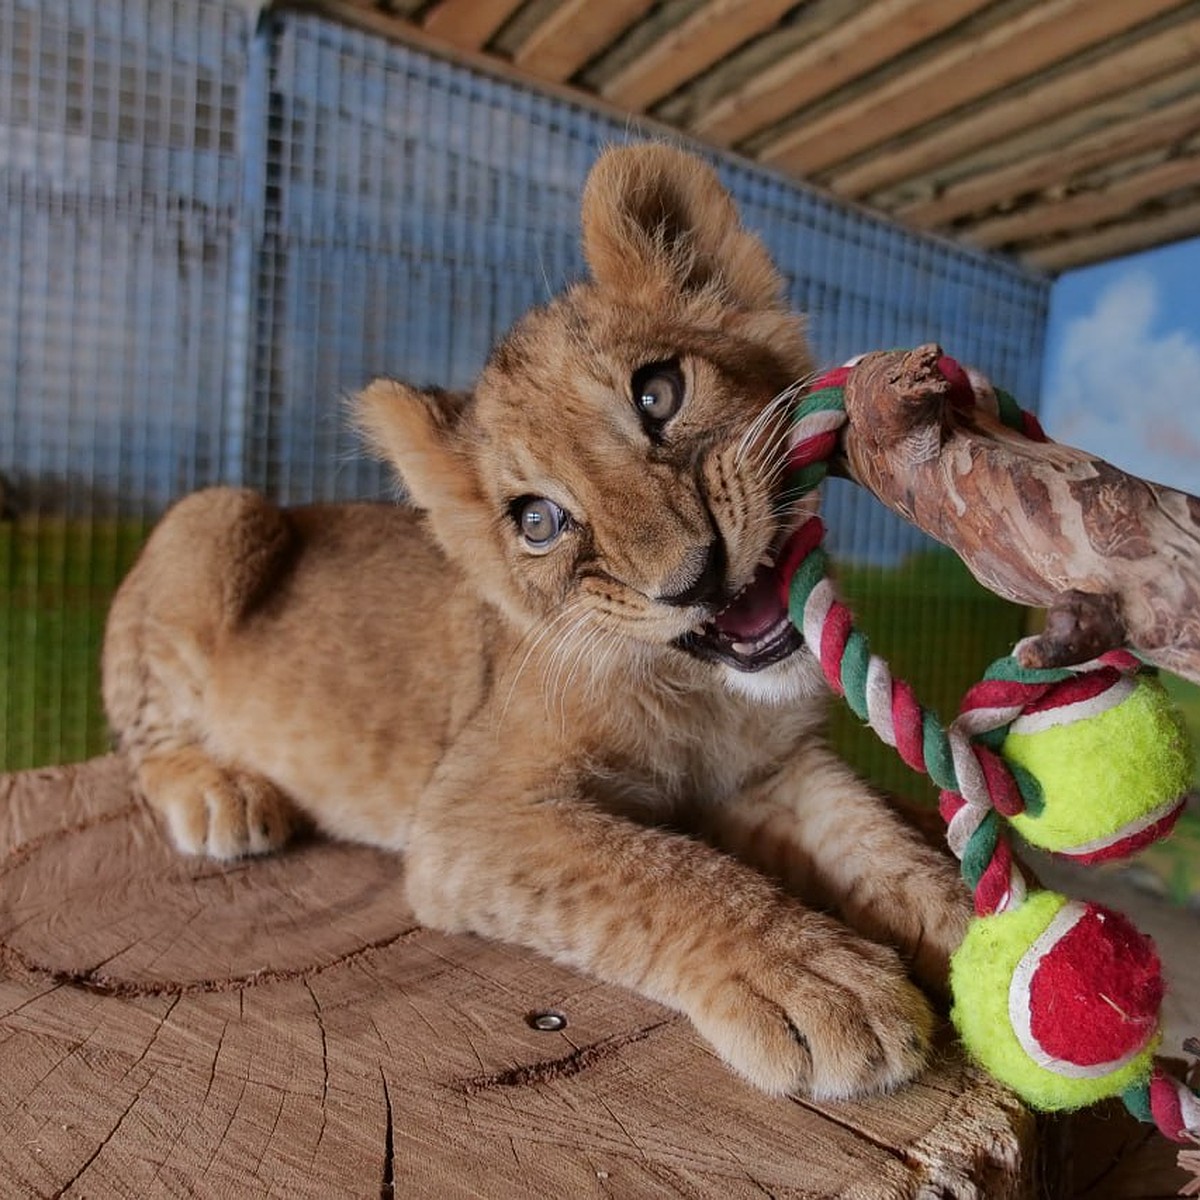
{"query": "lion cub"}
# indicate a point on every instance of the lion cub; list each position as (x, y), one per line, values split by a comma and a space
(561, 678)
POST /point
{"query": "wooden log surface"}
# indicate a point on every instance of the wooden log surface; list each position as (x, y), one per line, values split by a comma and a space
(171, 1026)
(1115, 558)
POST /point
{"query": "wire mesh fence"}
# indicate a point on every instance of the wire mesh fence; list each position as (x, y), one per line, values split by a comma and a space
(213, 227)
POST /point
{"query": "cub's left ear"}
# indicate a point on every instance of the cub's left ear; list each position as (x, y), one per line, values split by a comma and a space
(656, 218)
(418, 433)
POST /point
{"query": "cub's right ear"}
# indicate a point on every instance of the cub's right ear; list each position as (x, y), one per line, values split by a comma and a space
(658, 222)
(418, 432)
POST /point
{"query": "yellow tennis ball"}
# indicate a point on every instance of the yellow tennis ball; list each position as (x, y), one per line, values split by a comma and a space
(1059, 1000)
(1111, 782)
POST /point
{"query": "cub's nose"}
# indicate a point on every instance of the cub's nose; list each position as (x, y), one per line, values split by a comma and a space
(700, 578)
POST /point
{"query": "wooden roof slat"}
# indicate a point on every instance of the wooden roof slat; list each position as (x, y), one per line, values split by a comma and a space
(966, 71)
(1124, 237)
(574, 33)
(710, 33)
(397, 8)
(468, 23)
(367, 6)
(1088, 208)
(879, 32)
(956, 115)
(1143, 59)
(1109, 144)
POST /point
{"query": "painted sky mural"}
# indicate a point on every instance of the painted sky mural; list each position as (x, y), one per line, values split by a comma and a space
(1122, 374)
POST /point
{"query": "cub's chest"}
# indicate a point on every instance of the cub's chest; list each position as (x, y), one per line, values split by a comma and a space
(651, 758)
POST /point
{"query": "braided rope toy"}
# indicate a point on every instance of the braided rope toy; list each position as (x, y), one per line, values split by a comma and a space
(1058, 999)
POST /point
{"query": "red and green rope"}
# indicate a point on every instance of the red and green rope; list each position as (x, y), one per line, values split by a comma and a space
(978, 786)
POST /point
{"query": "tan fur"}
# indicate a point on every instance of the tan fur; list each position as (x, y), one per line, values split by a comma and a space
(518, 722)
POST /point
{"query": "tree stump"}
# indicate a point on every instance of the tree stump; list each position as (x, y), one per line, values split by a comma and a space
(282, 1026)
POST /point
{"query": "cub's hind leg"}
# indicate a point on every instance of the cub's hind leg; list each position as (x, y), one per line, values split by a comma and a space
(210, 561)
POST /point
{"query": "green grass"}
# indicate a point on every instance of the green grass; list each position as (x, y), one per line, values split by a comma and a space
(1176, 862)
(1187, 696)
(56, 581)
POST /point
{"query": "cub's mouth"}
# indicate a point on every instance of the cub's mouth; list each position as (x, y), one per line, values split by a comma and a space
(753, 631)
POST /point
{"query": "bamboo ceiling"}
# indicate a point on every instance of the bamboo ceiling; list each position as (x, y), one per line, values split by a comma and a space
(1059, 131)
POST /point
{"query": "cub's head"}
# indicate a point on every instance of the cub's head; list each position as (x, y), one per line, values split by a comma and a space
(618, 470)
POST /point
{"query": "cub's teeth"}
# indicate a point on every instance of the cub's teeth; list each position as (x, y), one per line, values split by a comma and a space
(746, 648)
(732, 602)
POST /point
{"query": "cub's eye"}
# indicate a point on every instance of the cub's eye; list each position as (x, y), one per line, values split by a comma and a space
(539, 520)
(657, 392)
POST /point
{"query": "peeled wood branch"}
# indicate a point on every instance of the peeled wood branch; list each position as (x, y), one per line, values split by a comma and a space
(1115, 559)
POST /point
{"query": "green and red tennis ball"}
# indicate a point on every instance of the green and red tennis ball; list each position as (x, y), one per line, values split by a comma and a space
(1112, 781)
(1058, 999)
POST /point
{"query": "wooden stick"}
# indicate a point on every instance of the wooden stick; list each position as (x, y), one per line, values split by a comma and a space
(1114, 558)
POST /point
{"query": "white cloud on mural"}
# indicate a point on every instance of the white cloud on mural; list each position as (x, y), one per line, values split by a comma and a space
(1123, 391)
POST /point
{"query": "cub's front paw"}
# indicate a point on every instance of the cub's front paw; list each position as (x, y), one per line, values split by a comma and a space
(216, 811)
(815, 1010)
(940, 921)
(925, 918)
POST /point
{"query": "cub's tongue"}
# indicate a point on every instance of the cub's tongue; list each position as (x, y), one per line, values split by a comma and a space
(755, 611)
